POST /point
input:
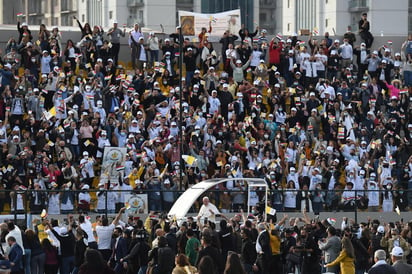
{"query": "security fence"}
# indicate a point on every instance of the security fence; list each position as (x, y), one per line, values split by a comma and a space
(53, 202)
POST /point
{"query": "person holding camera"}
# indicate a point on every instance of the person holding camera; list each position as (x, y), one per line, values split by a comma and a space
(364, 30)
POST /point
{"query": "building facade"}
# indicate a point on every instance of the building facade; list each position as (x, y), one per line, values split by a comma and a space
(36, 12)
(284, 16)
(335, 16)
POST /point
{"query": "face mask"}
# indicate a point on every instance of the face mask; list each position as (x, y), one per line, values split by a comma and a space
(104, 137)
(318, 187)
(272, 177)
(176, 167)
(200, 113)
(388, 187)
(33, 60)
(253, 115)
(79, 79)
(406, 170)
(280, 109)
(400, 191)
(203, 175)
(282, 129)
(351, 176)
(259, 101)
(220, 133)
(266, 136)
(88, 88)
(123, 133)
(292, 173)
(85, 157)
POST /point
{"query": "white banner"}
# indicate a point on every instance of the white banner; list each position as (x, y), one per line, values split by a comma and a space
(113, 164)
(136, 204)
(192, 23)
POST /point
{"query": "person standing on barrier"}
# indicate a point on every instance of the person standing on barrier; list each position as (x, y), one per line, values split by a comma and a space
(364, 30)
(134, 36)
(115, 33)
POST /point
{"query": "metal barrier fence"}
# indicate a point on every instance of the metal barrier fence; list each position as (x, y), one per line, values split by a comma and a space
(29, 201)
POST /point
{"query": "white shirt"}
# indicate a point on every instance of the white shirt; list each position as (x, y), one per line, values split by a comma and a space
(214, 104)
(205, 212)
(346, 51)
(16, 233)
(87, 227)
(104, 234)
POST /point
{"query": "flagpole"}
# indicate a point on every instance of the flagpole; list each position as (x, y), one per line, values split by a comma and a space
(182, 163)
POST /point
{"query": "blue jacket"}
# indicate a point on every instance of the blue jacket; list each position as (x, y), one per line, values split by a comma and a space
(16, 257)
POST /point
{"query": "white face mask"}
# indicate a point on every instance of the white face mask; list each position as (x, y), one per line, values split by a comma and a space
(266, 136)
(88, 88)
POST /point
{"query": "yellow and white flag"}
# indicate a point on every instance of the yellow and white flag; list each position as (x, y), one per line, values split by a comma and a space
(270, 211)
(190, 160)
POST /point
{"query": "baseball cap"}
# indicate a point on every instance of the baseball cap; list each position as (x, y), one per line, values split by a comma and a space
(397, 251)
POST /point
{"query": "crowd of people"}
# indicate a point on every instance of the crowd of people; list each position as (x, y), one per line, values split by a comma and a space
(325, 123)
(244, 244)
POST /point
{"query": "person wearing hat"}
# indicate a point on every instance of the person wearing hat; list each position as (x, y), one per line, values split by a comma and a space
(24, 31)
(84, 199)
(238, 69)
(189, 60)
(381, 266)
(393, 238)
(364, 30)
(134, 36)
(167, 46)
(115, 33)
(45, 60)
(153, 44)
(398, 262)
(373, 63)
(208, 211)
(362, 54)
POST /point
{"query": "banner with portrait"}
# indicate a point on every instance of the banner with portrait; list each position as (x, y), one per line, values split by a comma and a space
(113, 164)
(192, 22)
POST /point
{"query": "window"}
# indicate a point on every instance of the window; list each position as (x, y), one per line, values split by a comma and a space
(288, 4)
(263, 17)
(288, 27)
(326, 1)
(110, 14)
(83, 18)
(326, 23)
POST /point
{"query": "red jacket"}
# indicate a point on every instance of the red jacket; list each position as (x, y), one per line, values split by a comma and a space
(274, 53)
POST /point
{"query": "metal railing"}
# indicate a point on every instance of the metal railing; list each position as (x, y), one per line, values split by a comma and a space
(352, 204)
